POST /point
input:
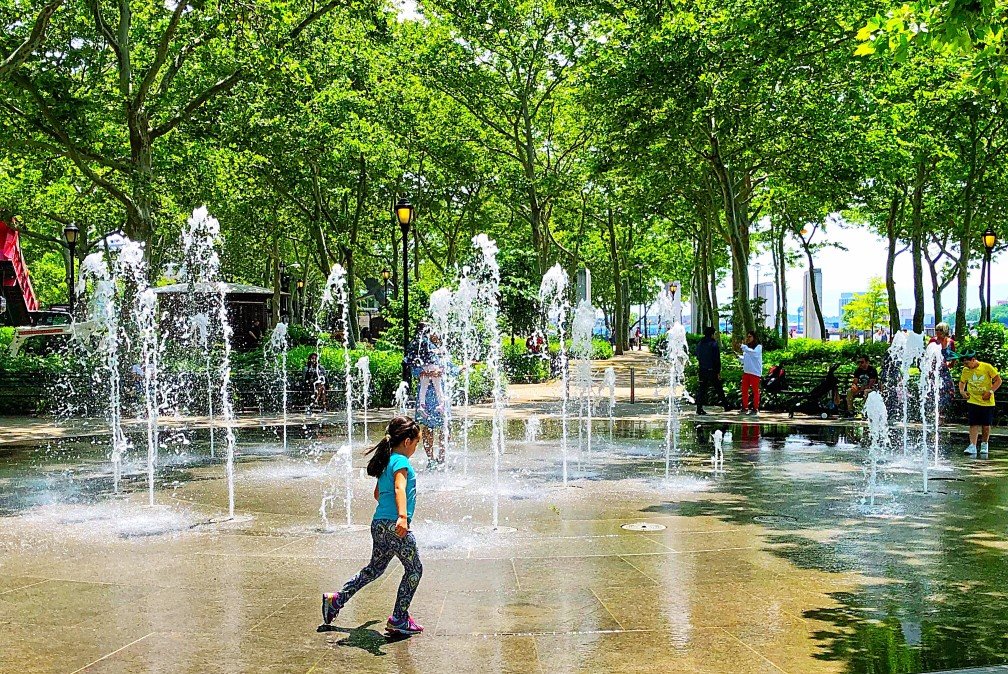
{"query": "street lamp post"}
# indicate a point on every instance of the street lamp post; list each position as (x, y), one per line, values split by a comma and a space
(989, 241)
(404, 215)
(386, 275)
(299, 310)
(70, 234)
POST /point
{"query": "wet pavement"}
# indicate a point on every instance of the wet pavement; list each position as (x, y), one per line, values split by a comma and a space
(772, 562)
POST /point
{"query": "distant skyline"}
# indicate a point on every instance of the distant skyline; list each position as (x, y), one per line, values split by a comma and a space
(850, 270)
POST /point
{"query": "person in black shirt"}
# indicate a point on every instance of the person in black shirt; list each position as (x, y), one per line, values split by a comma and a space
(864, 380)
(708, 354)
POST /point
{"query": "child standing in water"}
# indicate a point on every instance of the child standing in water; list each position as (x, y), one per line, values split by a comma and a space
(390, 534)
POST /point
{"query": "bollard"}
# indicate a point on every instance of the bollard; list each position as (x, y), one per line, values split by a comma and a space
(632, 391)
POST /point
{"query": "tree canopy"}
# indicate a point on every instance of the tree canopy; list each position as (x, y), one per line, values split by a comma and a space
(646, 141)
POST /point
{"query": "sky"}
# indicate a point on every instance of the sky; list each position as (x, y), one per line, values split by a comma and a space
(865, 256)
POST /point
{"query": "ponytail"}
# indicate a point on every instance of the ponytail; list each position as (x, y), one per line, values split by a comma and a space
(399, 430)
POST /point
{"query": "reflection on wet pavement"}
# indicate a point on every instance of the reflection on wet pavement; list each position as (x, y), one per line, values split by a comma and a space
(774, 563)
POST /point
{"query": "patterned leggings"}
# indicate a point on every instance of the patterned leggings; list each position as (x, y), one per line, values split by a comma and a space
(387, 545)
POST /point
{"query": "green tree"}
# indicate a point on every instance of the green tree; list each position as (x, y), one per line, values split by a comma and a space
(869, 309)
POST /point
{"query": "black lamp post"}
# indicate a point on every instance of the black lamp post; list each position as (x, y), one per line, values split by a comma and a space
(70, 234)
(299, 299)
(989, 241)
(404, 215)
(386, 274)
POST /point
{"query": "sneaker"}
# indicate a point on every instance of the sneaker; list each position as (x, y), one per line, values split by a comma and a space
(754, 413)
(329, 610)
(971, 450)
(406, 626)
(984, 448)
(701, 413)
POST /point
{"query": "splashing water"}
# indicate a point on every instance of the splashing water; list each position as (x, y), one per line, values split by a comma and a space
(878, 428)
(609, 379)
(532, 426)
(201, 269)
(336, 293)
(364, 371)
(442, 306)
(676, 356)
(402, 397)
(906, 349)
(488, 272)
(278, 346)
(717, 438)
(930, 385)
(581, 345)
(102, 310)
(553, 296)
(462, 306)
(199, 326)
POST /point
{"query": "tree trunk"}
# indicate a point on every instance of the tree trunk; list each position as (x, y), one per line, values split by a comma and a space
(782, 307)
(140, 218)
(916, 236)
(890, 279)
(617, 282)
(962, 284)
(275, 315)
(814, 293)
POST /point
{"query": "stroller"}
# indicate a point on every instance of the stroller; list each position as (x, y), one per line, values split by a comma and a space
(776, 380)
(813, 402)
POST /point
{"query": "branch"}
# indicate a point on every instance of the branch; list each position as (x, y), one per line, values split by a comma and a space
(20, 229)
(72, 153)
(60, 151)
(198, 102)
(105, 30)
(161, 54)
(311, 18)
(32, 42)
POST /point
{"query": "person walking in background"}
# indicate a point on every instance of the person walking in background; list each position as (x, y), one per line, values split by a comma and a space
(708, 353)
(977, 385)
(391, 537)
(752, 373)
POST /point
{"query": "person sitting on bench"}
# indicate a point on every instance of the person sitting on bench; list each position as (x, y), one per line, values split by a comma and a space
(864, 380)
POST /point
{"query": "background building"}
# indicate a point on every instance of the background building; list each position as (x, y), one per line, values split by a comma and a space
(767, 292)
(845, 299)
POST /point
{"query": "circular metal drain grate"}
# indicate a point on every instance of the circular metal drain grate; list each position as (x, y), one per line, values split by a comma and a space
(644, 526)
(775, 519)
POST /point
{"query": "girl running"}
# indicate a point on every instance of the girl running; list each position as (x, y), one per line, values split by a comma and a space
(390, 534)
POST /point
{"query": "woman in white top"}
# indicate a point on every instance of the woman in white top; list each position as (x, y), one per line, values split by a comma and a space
(752, 372)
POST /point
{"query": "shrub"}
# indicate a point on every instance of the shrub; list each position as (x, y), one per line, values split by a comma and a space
(524, 367)
(989, 343)
(299, 335)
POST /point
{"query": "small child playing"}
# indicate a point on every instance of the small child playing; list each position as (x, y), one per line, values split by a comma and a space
(430, 375)
(431, 371)
(390, 534)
